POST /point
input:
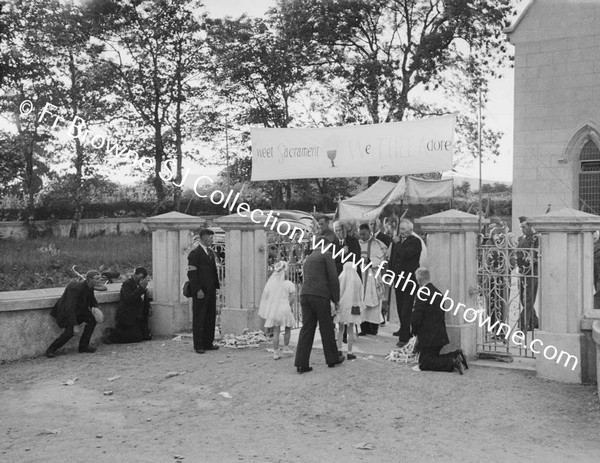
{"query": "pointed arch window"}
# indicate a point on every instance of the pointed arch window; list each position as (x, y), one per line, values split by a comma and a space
(589, 178)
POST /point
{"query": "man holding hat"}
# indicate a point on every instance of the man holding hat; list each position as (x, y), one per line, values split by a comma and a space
(204, 280)
(133, 312)
(73, 308)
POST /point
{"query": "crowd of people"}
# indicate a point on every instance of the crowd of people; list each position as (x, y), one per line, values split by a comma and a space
(334, 292)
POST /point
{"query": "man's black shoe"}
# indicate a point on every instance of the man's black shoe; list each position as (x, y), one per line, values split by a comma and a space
(303, 369)
(458, 365)
(87, 350)
(51, 354)
(351, 356)
(212, 348)
(463, 358)
(362, 333)
(199, 351)
(396, 333)
(339, 360)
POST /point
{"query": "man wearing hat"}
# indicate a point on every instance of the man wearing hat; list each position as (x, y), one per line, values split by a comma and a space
(73, 308)
(133, 312)
(527, 261)
(204, 280)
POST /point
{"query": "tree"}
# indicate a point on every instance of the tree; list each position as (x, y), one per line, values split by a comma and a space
(262, 69)
(464, 189)
(25, 86)
(155, 52)
(384, 49)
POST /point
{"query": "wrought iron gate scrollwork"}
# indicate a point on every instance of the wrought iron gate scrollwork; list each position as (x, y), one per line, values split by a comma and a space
(507, 283)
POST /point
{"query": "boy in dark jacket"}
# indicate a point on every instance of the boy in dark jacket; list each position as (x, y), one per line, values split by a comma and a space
(72, 309)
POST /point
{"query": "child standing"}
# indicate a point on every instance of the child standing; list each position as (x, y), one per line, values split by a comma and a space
(350, 307)
(276, 306)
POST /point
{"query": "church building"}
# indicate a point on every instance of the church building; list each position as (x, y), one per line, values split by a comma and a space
(557, 107)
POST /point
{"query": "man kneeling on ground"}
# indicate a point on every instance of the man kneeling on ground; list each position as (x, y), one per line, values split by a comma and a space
(133, 312)
(73, 308)
(428, 325)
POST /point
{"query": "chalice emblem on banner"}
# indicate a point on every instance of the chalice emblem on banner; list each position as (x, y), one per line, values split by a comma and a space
(331, 154)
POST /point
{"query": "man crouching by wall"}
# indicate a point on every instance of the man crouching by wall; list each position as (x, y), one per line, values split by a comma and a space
(73, 308)
(430, 328)
(133, 312)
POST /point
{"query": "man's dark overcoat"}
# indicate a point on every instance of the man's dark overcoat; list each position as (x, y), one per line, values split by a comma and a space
(77, 298)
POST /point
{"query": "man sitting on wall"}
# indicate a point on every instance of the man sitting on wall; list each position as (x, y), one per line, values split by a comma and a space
(133, 312)
(73, 308)
(429, 326)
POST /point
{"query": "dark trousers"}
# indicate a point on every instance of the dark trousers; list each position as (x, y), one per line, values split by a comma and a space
(315, 309)
(404, 303)
(90, 323)
(204, 318)
(528, 319)
(430, 359)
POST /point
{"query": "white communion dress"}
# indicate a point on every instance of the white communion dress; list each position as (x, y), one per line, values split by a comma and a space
(350, 295)
(275, 304)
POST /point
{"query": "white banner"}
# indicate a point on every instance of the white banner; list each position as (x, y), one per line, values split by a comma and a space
(395, 148)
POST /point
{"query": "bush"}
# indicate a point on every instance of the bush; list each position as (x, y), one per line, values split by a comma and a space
(47, 262)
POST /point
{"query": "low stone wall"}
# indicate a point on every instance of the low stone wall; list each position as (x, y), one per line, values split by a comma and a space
(125, 226)
(27, 328)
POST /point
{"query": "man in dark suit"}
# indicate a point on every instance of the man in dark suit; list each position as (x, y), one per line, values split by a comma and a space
(133, 312)
(204, 281)
(405, 255)
(378, 233)
(320, 287)
(325, 231)
(348, 243)
(430, 328)
(72, 309)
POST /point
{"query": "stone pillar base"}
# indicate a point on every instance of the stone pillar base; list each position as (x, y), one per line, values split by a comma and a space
(235, 321)
(568, 343)
(463, 337)
(168, 319)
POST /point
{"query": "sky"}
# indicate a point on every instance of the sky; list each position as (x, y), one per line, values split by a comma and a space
(499, 112)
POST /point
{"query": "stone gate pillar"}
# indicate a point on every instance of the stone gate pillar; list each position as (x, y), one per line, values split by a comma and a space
(452, 248)
(171, 243)
(245, 270)
(566, 293)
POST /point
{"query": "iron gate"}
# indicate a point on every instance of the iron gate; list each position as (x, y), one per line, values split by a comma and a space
(279, 248)
(507, 281)
(219, 250)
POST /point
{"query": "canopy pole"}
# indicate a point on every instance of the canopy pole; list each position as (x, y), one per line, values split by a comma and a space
(479, 126)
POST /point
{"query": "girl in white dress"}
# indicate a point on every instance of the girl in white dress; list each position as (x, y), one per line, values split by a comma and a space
(276, 306)
(350, 306)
